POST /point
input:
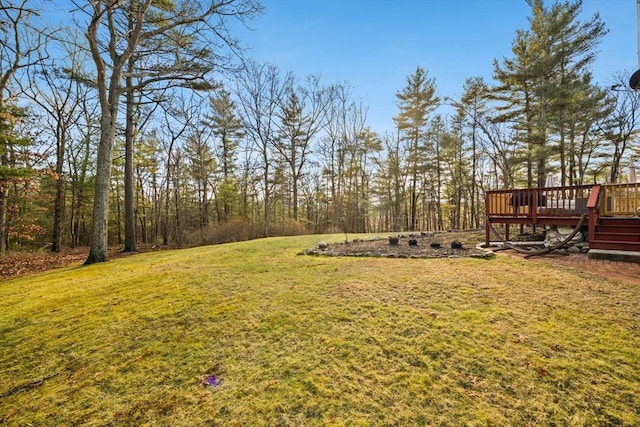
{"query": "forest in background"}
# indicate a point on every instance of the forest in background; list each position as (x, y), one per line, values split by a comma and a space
(143, 122)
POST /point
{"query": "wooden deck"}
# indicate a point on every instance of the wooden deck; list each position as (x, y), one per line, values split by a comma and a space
(611, 212)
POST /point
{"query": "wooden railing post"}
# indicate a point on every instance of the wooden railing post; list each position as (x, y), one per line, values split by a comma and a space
(593, 207)
(488, 211)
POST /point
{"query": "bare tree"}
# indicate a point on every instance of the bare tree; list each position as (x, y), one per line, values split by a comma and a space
(59, 92)
(620, 127)
(260, 90)
(116, 33)
(19, 44)
(302, 115)
(177, 121)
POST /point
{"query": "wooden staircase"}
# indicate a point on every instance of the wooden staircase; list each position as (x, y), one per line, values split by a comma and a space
(617, 233)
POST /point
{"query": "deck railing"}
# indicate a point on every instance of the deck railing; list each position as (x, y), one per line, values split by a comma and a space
(620, 199)
(539, 202)
(567, 206)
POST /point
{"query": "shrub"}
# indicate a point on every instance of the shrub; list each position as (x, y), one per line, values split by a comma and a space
(235, 230)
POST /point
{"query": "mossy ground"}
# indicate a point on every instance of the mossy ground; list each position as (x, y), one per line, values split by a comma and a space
(298, 340)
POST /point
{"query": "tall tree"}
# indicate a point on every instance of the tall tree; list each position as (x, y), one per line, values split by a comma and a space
(14, 162)
(551, 59)
(517, 95)
(302, 115)
(80, 164)
(59, 92)
(116, 32)
(346, 120)
(619, 128)
(177, 120)
(228, 129)
(471, 111)
(18, 47)
(260, 87)
(571, 50)
(578, 141)
(416, 101)
(202, 165)
(390, 183)
(364, 156)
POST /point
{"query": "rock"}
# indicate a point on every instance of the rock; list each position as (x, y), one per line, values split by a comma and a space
(583, 246)
(529, 237)
(554, 236)
(322, 246)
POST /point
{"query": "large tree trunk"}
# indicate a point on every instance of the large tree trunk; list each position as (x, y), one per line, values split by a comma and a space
(4, 192)
(98, 249)
(58, 207)
(58, 211)
(129, 211)
(267, 200)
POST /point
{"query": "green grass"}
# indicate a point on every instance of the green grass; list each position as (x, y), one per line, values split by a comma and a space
(310, 341)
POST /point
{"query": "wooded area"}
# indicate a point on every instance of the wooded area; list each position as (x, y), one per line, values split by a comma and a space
(143, 122)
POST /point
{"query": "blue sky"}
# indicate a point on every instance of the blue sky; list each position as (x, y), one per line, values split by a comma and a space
(376, 44)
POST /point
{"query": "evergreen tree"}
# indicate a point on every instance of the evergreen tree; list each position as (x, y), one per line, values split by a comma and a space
(471, 114)
(227, 127)
(302, 114)
(14, 165)
(416, 101)
(18, 45)
(549, 68)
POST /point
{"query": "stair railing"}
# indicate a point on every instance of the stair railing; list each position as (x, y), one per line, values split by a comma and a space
(593, 207)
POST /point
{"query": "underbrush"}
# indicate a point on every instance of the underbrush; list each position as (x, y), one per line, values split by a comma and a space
(240, 230)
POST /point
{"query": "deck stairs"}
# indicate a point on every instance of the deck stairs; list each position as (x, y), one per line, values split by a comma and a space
(617, 233)
(611, 211)
(616, 239)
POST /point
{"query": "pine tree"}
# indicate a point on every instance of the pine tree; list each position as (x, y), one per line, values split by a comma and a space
(416, 101)
(14, 164)
(302, 115)
(227, 126)
(549, 69)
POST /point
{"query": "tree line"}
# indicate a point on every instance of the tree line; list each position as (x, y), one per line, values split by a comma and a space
(143, 122)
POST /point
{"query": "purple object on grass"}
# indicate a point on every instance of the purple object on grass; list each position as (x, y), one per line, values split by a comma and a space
(212, 380)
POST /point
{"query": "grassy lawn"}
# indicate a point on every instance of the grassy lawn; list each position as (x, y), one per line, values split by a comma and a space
(314, 341)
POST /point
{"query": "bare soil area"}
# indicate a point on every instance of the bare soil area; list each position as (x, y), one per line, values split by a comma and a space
(410, 245)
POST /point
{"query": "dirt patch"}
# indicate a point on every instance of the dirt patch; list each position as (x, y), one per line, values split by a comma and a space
(412, 245)
(19, 263)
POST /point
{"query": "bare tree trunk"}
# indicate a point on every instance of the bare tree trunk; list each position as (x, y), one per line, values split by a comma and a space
(129, 210)
(58, 209)
(100, 226)
(4, 193)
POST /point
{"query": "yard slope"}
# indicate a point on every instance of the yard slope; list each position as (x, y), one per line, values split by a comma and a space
(251, 333)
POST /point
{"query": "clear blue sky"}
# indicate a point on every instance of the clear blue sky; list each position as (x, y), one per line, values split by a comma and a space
(376, 44)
